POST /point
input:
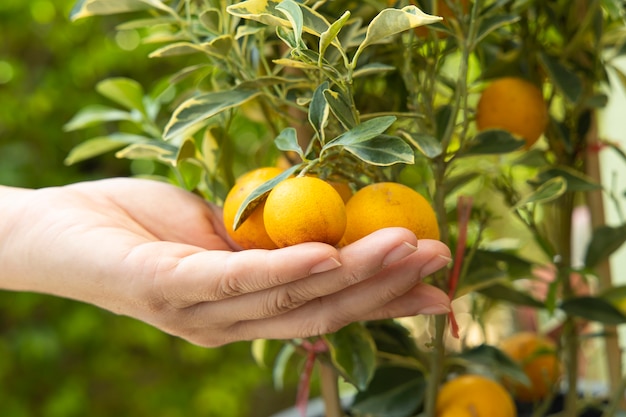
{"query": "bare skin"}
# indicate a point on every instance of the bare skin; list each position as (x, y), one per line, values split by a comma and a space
(159, 254)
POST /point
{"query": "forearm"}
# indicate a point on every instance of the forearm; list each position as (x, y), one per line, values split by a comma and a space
(12, 211)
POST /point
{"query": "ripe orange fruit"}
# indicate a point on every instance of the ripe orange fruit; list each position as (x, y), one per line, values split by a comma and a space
(537, 357)
(251, 234)
(343, 188)
(389, 204)
(476, 396)
(304, 209)
(515, 105)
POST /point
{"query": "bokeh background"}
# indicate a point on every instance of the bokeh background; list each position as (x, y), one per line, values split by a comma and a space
(60, 358)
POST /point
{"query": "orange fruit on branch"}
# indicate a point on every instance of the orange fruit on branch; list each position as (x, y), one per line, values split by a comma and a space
(515, 105)
(251, 234)
(538, 359)
(476, 396)
(304, 209)
(389, 204)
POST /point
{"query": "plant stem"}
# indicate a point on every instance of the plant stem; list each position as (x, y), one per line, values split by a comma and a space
(329, 387)
(437, 354)
(570, 351)
(617, 400)
(570, 338)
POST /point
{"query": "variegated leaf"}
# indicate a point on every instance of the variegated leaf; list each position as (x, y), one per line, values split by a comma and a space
(190, 116)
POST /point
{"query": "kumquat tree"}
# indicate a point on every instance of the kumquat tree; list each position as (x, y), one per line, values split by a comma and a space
(473, 122)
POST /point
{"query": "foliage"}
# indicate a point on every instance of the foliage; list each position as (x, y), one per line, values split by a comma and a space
(62, 358)
(349, 90)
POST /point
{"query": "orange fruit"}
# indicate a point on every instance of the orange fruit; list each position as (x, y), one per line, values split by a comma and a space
(515, 105)
(251, 234)
(389, 204)
(537, 357)
(304, 209)
(476, 396)
(343, 188)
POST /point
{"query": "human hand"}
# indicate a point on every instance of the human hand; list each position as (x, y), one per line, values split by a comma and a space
(159, 254)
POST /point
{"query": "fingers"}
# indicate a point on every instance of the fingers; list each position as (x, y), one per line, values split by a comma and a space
(300, 291)
(219, 275)
(359, 262)
(223, 275)
(421, 299)
(393, 292)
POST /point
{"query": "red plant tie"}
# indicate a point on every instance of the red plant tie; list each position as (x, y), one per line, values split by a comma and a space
(304, 386)
(464, 211)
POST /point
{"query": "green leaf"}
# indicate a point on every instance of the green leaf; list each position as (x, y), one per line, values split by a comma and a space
(319, 111)
(548, 191)
(616, 296)
(292, 11)
(502, 292)
(152, 150)
(443, 116)
(565, 80)
(211, 19)
(264, 11)
(267, 81)
(259, 195)
(493, 23)
(281, 365)
(329, 36)
(393, 392)
(363, 132)
(495, 360)
(86, 8)
(191, 172)
(479, 278)
(353, 352)
(428, 145)
(176, 49)
(604, 241)
(594, 309)
(187, 150)
(393, 21)
(96, 114)
(101, 145)
(493, 141)
(265, 351)
(383, 150)
(218, 47)
(145, 23)
(514, 266)
(455, 181)
(287, 141)
(372, 69)
(392, 337)
(123, 91)
(191, 114)
(576, 180)
(342, 108)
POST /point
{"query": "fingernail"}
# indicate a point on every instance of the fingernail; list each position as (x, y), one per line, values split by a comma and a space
(435, 264)
(399, 252)
(325, 265)
(435, 309)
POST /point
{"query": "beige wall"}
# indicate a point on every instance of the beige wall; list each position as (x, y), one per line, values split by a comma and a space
(612, 126)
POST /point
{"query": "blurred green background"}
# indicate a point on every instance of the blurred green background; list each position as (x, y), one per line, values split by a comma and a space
(60, 358)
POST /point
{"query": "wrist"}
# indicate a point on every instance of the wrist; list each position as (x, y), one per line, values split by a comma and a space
(11, 213)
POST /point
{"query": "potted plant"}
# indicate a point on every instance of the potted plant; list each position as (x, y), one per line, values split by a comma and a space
(486, 108)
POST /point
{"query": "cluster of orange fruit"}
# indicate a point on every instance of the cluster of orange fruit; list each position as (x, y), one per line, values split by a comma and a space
(308, 209)
(474, 395)
(509, 103)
